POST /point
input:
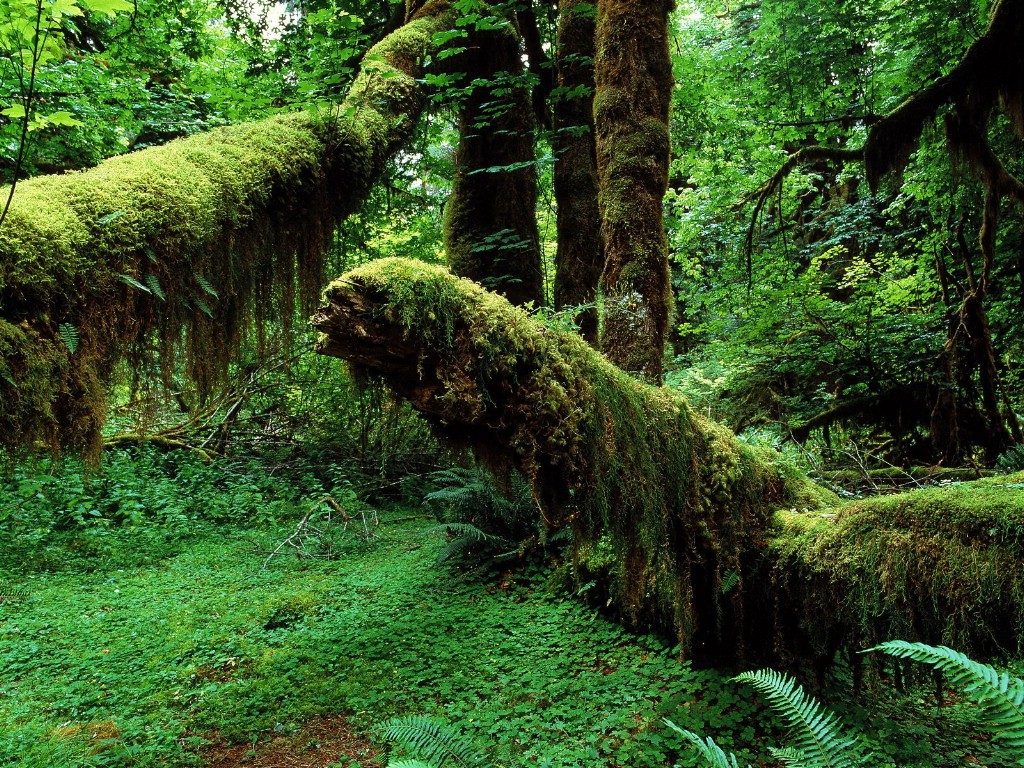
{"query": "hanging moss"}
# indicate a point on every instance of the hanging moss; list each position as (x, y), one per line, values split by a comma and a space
(942, 565)
(188, 244)
(663, 503)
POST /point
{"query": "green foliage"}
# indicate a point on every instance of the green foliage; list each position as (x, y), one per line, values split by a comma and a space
(159, 500)
(820, 742)
(1012, 460)
(432, 743)
(845, 293)
(816, 736)
(1000, 696)
(464, 537)
(713, 755)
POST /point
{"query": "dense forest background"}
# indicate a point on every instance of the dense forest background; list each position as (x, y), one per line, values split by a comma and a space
(167, 413)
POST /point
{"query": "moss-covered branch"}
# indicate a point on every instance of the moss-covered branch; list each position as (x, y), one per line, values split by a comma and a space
(670, 511)
(192, 241)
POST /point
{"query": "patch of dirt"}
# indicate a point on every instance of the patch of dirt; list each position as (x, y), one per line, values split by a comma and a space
(322, 742)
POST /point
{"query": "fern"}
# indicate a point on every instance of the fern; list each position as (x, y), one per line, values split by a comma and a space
(1000, 696)
(466, 535)
(711, 752)
(69, 335)
(815, 731)
(729, 581)
(205, 285)
(432, 744)
(154, 286)
(129, 280)
(790, 757)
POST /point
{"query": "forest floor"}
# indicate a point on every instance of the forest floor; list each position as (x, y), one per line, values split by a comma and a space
(138, 647)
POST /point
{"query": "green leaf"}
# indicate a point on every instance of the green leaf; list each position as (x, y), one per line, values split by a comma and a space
(102, 220)
(15, 112)
(129, 280)
(62, 117)
(154, 286)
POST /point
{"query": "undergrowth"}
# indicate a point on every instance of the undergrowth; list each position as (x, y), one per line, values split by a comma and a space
(137, 635)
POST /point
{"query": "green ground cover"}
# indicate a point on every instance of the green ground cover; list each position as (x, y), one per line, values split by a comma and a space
(164, 634)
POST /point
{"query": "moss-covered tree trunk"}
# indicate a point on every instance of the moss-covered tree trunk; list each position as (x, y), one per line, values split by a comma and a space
(687, 528)
(579, 259)
(633, 74)
(189, 242)
(490, 219)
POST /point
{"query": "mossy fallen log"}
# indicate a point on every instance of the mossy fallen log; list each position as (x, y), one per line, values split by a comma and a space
(942, 565)
(191, 243)
(678, 518)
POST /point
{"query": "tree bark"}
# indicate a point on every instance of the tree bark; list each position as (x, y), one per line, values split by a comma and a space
(579, 259)
(633, 74)
(673, 516)
(491, 217)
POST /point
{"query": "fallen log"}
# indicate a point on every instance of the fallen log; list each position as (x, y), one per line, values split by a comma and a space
(690, 530)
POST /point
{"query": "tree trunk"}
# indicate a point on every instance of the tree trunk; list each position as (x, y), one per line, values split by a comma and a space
(193, 240)
(579, 259)
(633, 73)
(490, 219)
(676, 518)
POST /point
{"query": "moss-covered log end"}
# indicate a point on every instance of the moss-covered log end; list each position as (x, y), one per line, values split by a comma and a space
(939, 565)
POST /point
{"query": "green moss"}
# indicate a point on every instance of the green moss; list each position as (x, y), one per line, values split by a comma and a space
(942, 565)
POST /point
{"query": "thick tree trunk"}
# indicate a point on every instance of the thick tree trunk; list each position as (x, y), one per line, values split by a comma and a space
(633, 73)
(579, 259)
(671, 513)
(194, 240)
(491, 217)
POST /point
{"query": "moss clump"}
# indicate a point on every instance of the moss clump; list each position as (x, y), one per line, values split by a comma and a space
(663, 503)
(940, 565)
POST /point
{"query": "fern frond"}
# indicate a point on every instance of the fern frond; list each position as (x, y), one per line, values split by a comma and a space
(154, 287)
(408, 764)
(790, 756)
(466, 536)
(205, 285)
(69, 335)
(707, 748)
(1000, 696)
(432, 742)
(815, 730)
(729, 581)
